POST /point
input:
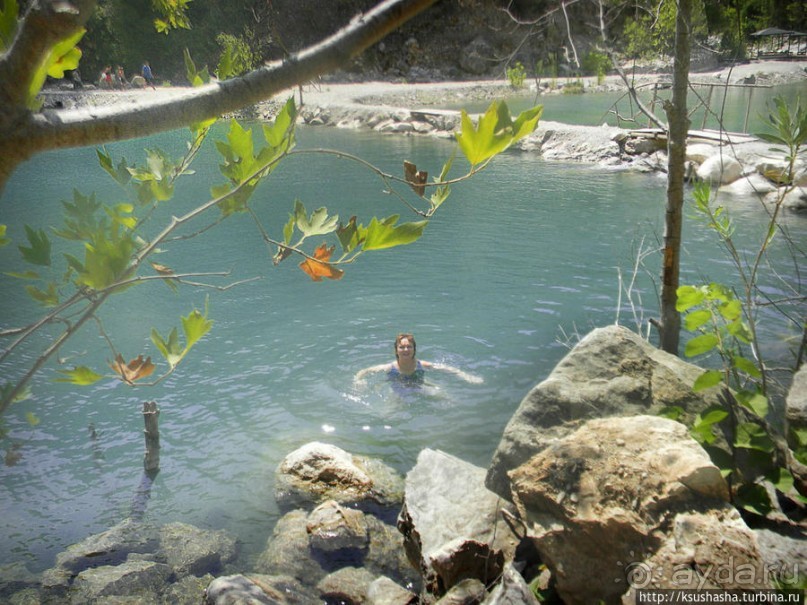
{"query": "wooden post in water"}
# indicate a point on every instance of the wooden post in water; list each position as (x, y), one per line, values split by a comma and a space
(151, 461)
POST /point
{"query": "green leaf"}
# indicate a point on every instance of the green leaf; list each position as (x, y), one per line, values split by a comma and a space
(24, 275)
(702, 433)
(384, 234)
(32, 418)
(754, 401)
(81, 375)
(694, 320)
(800, 435)
(701, 344)
(195, 325)
(62, 56)
(3, 239)
(349, 235)
(731, 310)
(170, 349)
(739, 330)
(688, 297)
(781, 479)
(318, 224)
(746, 365)
(673, 412)
(225, 66)
(495, 131)
(120, 173)
(711, 415)
(708, 379)
(39, 251)
(8, 23)
(280, 132)
(48, 298)
(753, 437)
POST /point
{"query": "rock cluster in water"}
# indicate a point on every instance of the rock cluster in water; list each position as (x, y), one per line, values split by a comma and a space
(590, 496)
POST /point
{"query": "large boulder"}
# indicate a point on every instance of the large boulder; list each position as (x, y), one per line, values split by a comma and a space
(720, 169)
(144, 579)
(189, 550)
(620, 492)
(309, 546)
(611, 372)
(317, 472)
(453, 527)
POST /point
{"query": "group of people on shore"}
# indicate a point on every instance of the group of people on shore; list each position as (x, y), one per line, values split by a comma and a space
(116, 79)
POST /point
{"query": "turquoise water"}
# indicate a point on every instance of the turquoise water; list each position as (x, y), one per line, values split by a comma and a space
(742, 109)
(521, 260)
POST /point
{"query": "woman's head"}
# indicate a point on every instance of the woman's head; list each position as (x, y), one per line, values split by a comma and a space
(403, 342)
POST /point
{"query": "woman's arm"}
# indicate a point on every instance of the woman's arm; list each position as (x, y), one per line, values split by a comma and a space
(456, 371)
(359, 377)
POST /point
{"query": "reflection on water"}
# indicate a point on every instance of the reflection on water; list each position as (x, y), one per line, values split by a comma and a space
(523, 257)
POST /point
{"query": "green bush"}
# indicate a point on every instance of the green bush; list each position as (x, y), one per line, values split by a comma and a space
(516, 75)
(598, 64)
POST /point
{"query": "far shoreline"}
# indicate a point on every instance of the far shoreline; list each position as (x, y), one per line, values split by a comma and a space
(411, 95)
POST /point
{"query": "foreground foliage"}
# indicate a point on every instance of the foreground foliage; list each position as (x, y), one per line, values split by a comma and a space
(750, 451)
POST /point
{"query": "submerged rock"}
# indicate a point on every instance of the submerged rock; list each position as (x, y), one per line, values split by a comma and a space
(317, 472)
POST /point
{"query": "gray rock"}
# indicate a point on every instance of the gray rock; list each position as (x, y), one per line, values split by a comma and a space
(452, 525)
(611, 372)
(288, 552)
(796, 403)
(466, 592)
(190, 550)
(347, 585)
(384, 591)
(511, 590)
(720, 169)
(189, 590)
(332, 527)
(110, 547)
(711, 550)
(238, 590)
(27, 596)
(16, 577)
(752, 184)
(796, 199)
(785, 555)
(317, 472)
(143, 579)
(607, 495)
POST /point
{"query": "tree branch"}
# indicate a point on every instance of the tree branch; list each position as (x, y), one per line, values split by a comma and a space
(33, 133)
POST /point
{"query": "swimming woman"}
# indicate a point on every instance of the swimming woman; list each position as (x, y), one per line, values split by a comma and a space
(406, 369)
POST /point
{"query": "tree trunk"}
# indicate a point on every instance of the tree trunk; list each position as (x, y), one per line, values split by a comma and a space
(678, 122)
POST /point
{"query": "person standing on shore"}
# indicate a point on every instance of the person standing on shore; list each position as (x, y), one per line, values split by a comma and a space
(148, 75)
